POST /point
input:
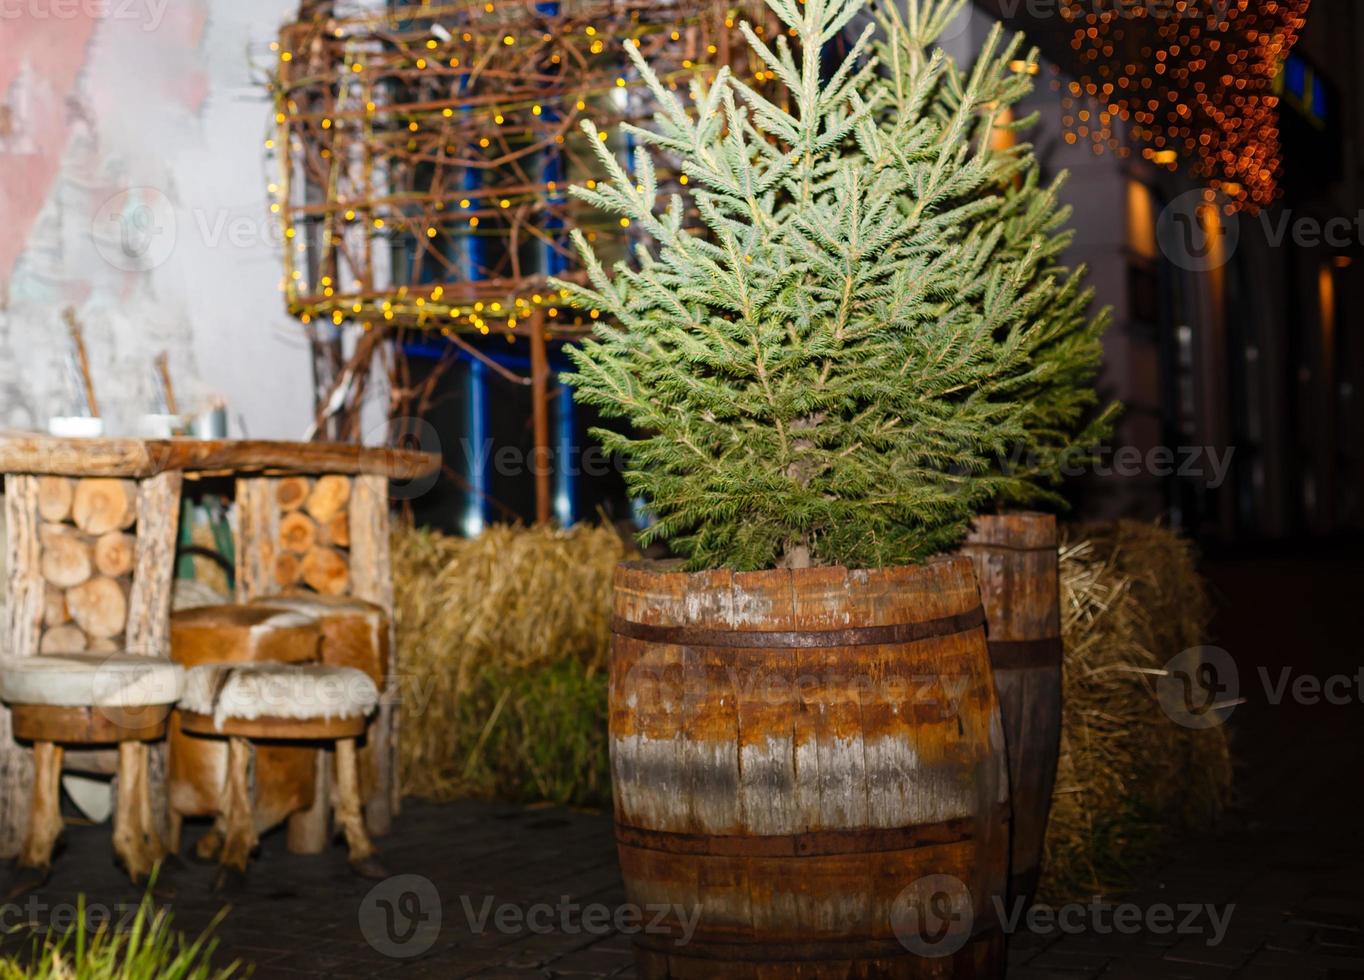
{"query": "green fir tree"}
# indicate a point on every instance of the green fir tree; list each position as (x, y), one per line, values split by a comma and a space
(844, 362)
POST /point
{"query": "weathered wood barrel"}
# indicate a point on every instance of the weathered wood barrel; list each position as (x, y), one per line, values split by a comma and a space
(1018, 567)
(809, 772)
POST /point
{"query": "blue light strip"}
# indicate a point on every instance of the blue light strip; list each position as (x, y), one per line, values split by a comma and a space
(475, 450)
(473, 262)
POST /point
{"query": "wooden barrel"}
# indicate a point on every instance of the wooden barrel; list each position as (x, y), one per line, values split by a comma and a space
(1018, 567)
(809, 772)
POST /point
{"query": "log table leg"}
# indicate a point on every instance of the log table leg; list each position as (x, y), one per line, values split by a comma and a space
(45, 818)
(372, 580)
(25, 594)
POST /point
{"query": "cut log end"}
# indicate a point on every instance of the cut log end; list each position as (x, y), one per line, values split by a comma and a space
(55, 612)
(325, 570)
(101, 505)
(291, 491)
(114, 553)
(329, 496)
(67, 638)
(99, 606)
(67, 557)
(297, 532)
(288, 569)
(54, 498)
(336, 532)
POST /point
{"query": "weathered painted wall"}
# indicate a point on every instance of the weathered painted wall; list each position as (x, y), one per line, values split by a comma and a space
(133, 188)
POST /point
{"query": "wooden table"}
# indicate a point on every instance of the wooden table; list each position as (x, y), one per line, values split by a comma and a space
(147, 475)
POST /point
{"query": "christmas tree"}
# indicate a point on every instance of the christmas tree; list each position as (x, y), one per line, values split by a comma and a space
(841, 363)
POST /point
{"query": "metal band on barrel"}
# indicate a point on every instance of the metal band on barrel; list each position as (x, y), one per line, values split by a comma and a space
(813, 843)
(800, 639)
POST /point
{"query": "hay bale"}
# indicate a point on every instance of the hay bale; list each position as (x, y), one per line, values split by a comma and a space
(504, 642)
(1129, 778)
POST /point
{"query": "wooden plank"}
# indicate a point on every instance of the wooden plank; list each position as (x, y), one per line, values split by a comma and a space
(25, 452)
(257, 532)
(25, 593)
(371, 575)
(149, 605)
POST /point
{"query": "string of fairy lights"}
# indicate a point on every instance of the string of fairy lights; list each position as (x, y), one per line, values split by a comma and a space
(424, 152)
(1192, 83)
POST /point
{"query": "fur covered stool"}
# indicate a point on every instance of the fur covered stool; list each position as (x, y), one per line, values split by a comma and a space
(355, 633)
(244, 703)
(197, 767)
(119, 699)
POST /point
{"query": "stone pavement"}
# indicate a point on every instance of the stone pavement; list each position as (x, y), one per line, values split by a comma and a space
(482, 889)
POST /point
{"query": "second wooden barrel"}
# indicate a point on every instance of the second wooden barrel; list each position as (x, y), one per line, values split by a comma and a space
(1018, 567)
(809, 772)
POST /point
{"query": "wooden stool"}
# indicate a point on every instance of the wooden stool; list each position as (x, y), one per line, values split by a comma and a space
(355, 633)
(91, 699)
(306, 703)
(197, 767)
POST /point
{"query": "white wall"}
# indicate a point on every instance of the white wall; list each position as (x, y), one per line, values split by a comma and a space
(112, 114)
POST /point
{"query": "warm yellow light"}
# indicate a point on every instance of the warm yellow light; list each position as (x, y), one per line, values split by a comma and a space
(464, 202)
(1164, 157)
(285, 56)
(430, 232)
(447, 112)
(378, 222)
(504, 203)
(508, 40)
(625, 222)
(350, 215)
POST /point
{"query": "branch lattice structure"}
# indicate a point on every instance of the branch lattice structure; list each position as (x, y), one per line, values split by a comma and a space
(425, 151)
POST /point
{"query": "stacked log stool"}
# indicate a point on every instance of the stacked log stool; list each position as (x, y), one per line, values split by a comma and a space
(198, 767)
(355, 633)
(90, 699)
(282, 702)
